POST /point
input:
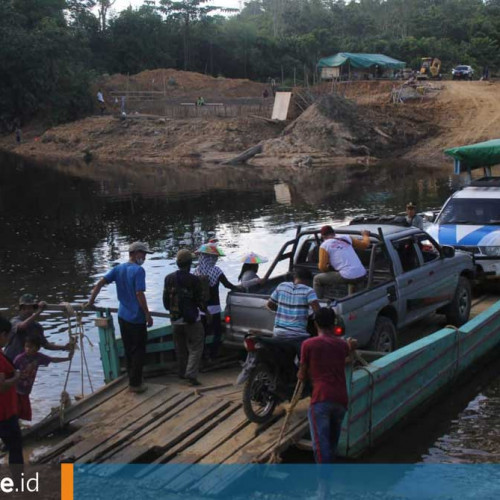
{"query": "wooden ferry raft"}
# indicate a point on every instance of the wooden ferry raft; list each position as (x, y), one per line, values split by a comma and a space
(174, 424)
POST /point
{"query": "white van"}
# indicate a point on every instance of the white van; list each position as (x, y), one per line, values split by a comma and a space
(470, 220)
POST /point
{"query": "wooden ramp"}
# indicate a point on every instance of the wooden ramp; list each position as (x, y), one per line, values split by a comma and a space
(174, 424)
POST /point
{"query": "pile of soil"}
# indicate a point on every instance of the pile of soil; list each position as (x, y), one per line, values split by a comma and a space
(336, 129)
(175, 83)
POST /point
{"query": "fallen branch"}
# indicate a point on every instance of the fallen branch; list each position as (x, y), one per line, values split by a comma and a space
(263, 118)
(380, 132)
(246, 155)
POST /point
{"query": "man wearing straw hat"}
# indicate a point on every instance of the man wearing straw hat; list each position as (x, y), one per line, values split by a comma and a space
(133, 313)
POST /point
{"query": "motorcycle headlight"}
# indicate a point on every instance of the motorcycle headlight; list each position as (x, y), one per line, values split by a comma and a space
(491, 251)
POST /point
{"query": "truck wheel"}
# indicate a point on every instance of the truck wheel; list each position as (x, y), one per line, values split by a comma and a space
(457, 313)
(384, 336)
(258, 399)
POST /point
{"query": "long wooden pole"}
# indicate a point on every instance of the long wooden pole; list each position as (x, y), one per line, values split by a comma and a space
(78, 307)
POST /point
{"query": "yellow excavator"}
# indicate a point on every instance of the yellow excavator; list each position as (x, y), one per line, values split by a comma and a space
(431, 68)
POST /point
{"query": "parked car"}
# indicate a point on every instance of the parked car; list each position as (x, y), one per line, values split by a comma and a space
(409, 276)
(470, 220)
(462, 73)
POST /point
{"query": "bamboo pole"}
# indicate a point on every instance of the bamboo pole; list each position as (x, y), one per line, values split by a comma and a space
(88, 309)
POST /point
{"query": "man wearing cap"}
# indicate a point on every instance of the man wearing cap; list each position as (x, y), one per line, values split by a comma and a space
(412, 219)
(338, 261)
(182, 296)
(26, 324)
(133, 313)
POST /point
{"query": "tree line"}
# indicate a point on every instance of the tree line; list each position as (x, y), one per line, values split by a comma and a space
(51, 50)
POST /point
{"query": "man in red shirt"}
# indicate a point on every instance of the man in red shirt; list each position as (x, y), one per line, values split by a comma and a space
(322, 361)
(10, 433)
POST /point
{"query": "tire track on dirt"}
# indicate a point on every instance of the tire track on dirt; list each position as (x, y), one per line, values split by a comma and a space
(466, 112)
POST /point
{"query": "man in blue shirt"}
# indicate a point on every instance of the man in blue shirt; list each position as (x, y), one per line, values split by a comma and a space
(133, 313)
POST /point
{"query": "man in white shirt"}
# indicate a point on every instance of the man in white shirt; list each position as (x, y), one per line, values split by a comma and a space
(338, 261)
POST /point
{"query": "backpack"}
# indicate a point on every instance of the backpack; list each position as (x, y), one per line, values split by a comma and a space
(182, 303)
(205, 288)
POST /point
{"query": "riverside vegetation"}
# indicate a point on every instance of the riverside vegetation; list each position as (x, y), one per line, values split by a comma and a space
(52, 51)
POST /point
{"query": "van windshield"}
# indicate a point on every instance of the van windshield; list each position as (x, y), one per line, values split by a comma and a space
(480, 212)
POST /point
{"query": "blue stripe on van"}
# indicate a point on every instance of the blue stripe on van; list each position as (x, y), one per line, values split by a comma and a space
(448, 235)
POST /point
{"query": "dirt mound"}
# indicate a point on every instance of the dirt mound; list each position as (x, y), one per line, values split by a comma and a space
(175, 83)
(326, 127)
(337, 127)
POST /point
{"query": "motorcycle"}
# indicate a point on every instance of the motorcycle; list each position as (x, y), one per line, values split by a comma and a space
(269, 374)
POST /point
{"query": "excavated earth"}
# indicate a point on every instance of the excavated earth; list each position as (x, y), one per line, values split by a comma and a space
(354, 124)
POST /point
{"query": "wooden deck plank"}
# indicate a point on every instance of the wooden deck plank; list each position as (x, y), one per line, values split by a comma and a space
(205, 430)
(258, 451)
(232, 424)
(150, 416)
(102, 437)
(117, 407)
(222, 450)
(226, 449)
(193, 454)
(202, 447)
(261, 448)
(92, 402)
(170, 432)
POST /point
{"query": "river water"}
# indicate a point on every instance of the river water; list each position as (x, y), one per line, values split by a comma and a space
(63, 225)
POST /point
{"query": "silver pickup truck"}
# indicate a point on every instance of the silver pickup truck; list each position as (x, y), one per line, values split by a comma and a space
(409, 276)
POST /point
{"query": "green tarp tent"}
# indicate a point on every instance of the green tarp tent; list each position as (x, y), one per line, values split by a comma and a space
(360, 61)
(482, 154)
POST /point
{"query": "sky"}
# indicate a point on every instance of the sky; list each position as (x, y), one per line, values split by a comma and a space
(123, 4)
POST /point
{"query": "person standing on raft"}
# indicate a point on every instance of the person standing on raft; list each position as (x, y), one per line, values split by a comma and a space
(207, 270)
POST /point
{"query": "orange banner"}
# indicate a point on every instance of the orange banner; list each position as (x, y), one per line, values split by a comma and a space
(66, 481)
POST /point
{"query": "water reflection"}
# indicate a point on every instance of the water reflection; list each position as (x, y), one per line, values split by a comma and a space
(63, 225)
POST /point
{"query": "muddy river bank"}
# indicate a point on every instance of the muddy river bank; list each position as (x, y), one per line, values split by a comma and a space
(63, 225)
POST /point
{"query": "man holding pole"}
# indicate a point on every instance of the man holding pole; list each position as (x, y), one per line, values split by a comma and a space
(322, 361)
(25, 325)
(133, 313)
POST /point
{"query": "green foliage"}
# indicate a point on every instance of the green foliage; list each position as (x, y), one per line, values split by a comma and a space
(42, 62)
(50, 49)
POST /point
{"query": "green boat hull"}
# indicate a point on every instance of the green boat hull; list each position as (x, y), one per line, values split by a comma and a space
(391, 388)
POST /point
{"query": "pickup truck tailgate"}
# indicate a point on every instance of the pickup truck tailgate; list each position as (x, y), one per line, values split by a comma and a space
(249, 312)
